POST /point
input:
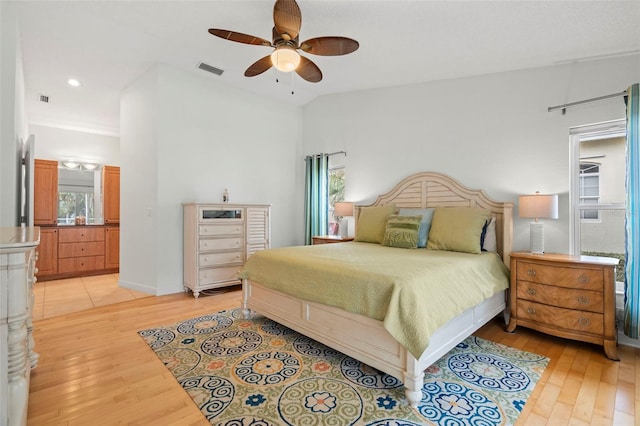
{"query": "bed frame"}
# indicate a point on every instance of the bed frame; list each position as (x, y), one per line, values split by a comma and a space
(365, 339)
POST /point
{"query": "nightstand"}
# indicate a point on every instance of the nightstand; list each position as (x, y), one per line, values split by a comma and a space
(567, 296)
(329, 239)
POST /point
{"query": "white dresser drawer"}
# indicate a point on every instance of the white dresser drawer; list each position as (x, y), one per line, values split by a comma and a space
(221, 230)
(216, 259)
(209, 276)
(209, 244)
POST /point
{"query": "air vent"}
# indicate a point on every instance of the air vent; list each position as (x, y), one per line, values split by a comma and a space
(209, 68)
(44, 98)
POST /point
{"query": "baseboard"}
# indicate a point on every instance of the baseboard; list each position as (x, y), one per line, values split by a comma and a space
(627, 341)
(137, 287)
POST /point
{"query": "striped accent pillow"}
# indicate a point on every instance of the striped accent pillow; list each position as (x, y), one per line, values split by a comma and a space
(402, 231)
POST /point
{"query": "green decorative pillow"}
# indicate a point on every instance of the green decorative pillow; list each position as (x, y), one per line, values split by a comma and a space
(425, 225)
(372, 222)
(457, 229)
(402, 231)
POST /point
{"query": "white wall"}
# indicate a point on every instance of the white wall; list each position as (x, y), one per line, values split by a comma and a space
(13, 122)
(58, 144)
(185, 138)
(491, 132)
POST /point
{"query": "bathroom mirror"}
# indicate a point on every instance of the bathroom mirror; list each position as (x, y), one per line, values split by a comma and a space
(79, 196)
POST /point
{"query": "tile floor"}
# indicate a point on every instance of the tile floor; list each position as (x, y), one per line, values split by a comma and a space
(59, 297)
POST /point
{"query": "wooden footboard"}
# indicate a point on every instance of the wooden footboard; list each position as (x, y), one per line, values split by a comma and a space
(366, 339)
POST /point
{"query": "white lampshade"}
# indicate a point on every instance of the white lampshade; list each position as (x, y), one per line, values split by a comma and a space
(285, 58)
(538, 206)
(343, 209)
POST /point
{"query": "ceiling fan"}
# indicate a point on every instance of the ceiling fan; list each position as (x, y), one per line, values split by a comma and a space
(287, 21)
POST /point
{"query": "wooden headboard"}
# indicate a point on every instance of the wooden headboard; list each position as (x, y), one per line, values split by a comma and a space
(429, 189)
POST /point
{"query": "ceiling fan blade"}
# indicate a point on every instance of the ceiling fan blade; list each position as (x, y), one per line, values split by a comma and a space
(287, 18)
(308, 70)
(329, 46)
(259, 66)
(239, 37)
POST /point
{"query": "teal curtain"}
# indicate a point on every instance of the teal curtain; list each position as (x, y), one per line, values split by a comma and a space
(632, 218)
(316, 209)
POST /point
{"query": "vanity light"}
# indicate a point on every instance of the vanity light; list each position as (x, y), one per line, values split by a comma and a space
(73, 82)
(89, 166)
(70, 164)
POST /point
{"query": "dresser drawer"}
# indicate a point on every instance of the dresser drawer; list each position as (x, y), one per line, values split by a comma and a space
(80, 235)
(221, 230)
(75, 264)
(588, 279)
(585, 300)
(215, 259)
(220, 244)
(218, 275)
(95, 248)
(568, 319)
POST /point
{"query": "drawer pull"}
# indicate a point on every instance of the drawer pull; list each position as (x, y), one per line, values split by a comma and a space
(531, 272)
(583, 279)
(583, 300)
(583, 321)
(531, 291)
(532, 311)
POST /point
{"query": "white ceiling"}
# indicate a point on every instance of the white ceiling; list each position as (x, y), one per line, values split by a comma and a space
(108, 44)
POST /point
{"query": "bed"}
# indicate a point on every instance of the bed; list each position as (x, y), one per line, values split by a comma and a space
(367, 337)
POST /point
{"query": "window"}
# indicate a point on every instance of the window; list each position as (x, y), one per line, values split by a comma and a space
(589, 189)
(597, 195)
(75, 204)
(336, 193)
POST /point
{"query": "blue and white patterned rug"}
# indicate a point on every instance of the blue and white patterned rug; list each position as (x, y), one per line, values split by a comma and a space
(257, 372)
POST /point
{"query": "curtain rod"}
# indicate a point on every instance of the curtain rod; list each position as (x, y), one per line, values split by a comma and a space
(330, 154)
(599, 98)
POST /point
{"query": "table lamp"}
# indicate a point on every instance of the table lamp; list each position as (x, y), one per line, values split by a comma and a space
(341, 210)
(538, 206)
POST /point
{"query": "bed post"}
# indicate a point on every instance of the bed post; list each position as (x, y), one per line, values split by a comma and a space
(246, 290)
(413, 381)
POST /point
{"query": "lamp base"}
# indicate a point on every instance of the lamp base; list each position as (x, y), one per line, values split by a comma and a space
(536, 237)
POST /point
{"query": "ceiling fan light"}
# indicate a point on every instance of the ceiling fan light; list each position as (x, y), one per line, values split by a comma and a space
(285, 58)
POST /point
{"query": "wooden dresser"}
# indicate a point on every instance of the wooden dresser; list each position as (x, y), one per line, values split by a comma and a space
(218, 239)
(17, 358)
(566, 296)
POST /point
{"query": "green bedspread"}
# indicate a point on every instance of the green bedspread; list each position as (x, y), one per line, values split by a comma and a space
(413, 292)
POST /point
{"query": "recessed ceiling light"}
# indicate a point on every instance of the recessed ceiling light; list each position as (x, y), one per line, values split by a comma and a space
(73, 82)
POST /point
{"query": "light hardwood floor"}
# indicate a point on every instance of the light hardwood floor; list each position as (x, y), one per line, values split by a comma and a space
(94, 369)
(58, 297)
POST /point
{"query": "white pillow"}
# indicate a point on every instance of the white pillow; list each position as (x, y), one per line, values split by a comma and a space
(490, 242)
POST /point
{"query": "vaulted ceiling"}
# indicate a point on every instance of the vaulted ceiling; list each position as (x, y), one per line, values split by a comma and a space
(108, 44)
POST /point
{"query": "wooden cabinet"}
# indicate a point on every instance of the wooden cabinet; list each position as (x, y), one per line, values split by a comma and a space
(566, 296)
(329, 239)
(112, 247)
(218, 238)
(80, 249)
(111, 194)
(75, 251)
(47, 263)
(45, 192)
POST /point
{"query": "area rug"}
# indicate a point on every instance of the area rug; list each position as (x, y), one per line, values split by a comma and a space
(257, 372)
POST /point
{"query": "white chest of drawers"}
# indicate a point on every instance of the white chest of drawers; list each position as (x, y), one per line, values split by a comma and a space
(218, 239)
(17, 358)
